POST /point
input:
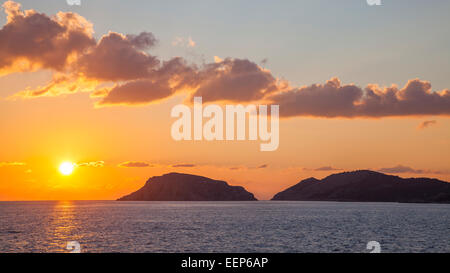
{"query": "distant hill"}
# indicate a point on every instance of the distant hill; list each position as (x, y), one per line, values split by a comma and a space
(368, 186)
(186, 187)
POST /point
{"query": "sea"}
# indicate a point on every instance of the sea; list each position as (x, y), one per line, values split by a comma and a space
(216, 227)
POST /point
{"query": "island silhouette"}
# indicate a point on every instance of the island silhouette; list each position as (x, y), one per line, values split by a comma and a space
(356, 186)
(187, 187)
(368, 186)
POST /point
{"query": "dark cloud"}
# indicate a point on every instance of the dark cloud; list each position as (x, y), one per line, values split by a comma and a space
(179, 73)
(405, 169)
(322, 169)
(335, 100)
(143, 41)
(163, 81)
(168, 78)
(118, 58)
(264, 61)
(327, 168)
(427, 124)
(400, 169)
(416, 98)
(328, 100)
(183, 165)
(134, 164)
(263, 166)
(235, 80)
(136, 92)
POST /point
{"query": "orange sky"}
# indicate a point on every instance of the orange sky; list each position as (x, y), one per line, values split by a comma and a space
(40, 133)
(48, 131)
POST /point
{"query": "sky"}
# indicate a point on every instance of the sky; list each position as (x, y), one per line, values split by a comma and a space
(359, 87)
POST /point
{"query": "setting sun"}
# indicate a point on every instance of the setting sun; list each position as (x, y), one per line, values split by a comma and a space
(66, 168)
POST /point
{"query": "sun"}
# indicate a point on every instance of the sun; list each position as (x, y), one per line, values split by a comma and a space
(66, 168)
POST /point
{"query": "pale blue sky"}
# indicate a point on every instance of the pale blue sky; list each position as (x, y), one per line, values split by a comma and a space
(304, 41)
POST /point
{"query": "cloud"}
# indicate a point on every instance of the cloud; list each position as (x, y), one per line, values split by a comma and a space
(333, 99)
(237, 80)
(321, 169)
(426, 124)
(183, 165)
(405, 169)
(236, 168)
(94, 164)
(143, 41)
(264, 61)
(177, 41)
(7, 164)
(64, 44)
(119, 57)
(136, 92)
(327, 168)
(32, 40)
(400, 169)
(100, 93)
(191, 42)
(134, 164)
(170, 77)
(119, 70)
(182, 42)
(60, 84)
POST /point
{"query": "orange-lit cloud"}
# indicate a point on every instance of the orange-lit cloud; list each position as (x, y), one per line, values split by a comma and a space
(94, 164)
(6, 164)
(426, 124)
(191, 43)
(40, 41)
(60, 84)
(182, 42)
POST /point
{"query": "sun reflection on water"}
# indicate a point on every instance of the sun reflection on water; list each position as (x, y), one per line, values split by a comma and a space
(62, 227)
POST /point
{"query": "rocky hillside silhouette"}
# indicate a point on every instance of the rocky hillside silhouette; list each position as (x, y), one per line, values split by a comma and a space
(186, 187)
(368, 186)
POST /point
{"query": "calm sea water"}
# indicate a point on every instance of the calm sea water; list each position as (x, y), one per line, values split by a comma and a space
(265, 226)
